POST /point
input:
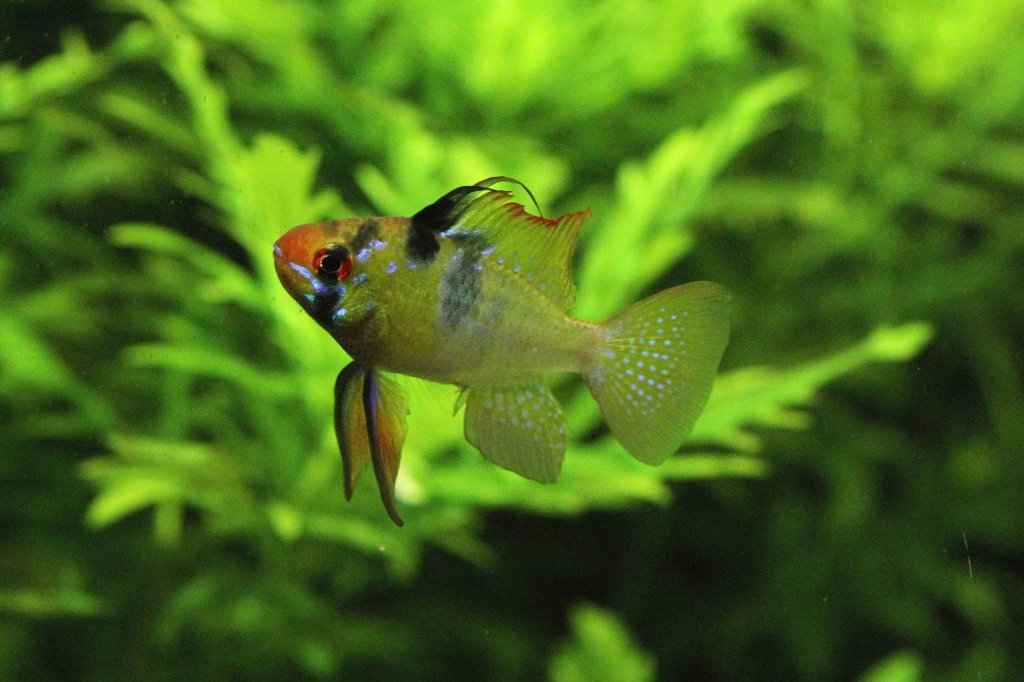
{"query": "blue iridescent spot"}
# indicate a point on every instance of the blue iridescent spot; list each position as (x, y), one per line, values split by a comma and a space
(360, 279)
(458, 231)
(339, 314)
(391, 267)
(377, 244)
(364, 254)
(301, 270)
(317, 285)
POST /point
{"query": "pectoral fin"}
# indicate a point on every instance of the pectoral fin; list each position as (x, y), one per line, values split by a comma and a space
(519, 428)
(369, 421)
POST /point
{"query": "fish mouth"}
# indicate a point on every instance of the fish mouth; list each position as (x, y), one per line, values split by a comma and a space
(290, 276)
(281, 265)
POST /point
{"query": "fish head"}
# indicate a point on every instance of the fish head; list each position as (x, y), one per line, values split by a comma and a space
(317, 263)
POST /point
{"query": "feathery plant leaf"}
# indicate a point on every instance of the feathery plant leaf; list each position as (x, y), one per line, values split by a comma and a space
(840, 167)
(645, 231)
(761, 396)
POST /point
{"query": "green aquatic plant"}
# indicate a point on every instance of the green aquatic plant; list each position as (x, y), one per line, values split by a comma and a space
(168, 454)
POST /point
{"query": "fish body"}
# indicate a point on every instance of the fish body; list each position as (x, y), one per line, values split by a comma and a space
(473, 291)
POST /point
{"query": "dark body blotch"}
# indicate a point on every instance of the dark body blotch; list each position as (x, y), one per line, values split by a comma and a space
(460, 287)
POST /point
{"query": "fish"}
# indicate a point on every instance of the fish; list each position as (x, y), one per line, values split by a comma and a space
(473, 290)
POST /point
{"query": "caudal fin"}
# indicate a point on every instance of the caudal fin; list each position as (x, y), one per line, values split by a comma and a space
(653, 372)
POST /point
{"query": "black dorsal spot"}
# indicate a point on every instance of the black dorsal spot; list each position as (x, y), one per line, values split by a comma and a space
(434, 219)
(422, 245)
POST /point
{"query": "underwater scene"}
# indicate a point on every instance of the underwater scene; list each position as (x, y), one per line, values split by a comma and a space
(557, 340)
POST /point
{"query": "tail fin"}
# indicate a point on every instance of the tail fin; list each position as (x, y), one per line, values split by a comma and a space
(653, 372)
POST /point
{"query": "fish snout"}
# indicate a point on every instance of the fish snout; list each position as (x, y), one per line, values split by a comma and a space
(292, 256)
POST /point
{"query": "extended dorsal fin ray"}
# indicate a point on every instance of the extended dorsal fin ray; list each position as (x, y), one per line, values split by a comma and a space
(537, 249)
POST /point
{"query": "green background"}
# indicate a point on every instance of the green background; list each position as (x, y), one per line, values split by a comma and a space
(848, 507)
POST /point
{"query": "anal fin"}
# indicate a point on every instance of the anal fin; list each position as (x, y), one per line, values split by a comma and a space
(519, 428)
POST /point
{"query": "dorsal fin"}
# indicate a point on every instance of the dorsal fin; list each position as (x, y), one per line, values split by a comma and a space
(537, 249)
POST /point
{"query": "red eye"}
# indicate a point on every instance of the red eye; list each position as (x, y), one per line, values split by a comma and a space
(333, 262)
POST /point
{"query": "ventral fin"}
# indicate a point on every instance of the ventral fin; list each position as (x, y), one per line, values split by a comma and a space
(350, 424)
(537, 249)
(369, 421)
(385, 409)
(519, 428)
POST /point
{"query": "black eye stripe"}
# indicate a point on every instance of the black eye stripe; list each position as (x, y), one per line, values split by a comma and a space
(324, 305)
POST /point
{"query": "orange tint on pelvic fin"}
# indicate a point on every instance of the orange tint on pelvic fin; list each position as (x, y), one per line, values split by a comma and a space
(350, 424)
(369, 420)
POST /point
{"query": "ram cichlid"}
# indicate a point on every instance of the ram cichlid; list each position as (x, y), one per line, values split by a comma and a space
(473, 291)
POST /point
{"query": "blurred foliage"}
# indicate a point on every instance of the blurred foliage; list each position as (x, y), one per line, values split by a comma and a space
(852, 171)
(603, 651)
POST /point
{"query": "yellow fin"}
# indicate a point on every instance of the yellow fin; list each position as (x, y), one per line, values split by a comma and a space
(369, 420)
(537, 249)
(519, 428)
(385, 410)
(350, 425)
(653, 373)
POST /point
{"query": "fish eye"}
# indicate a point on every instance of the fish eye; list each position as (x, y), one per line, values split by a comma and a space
(332, 262)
